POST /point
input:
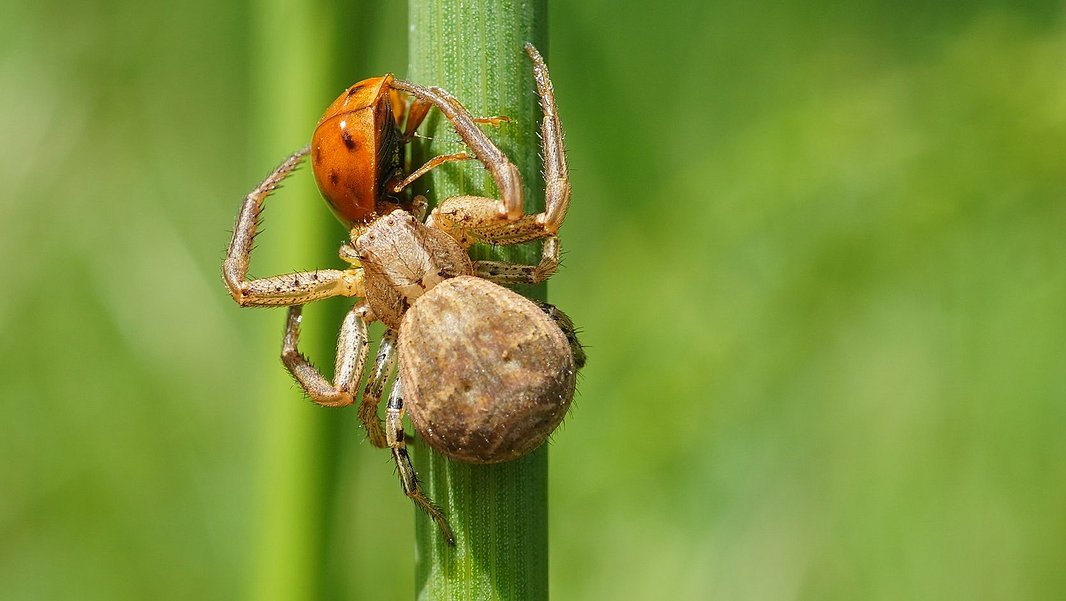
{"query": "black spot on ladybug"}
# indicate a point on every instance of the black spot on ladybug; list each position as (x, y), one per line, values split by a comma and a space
(348, 141)
(334, 178)
(352, 91)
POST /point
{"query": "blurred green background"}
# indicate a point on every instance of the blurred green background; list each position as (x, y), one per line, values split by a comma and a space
(816, 250)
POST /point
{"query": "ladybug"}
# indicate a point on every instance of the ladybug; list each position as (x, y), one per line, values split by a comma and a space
(357, 149)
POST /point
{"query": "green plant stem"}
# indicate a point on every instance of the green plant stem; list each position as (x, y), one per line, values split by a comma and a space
(499, 512)
(290, 70)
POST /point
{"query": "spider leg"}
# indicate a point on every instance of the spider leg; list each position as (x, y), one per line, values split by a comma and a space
(352, 346)
(409, 115)
(383, 368)
(504, 173)
(288, 289)
(471, 219)
(504, 273)
(431, 164)
(408, 478)
(566, 325)
(299, 288)
(556, 173)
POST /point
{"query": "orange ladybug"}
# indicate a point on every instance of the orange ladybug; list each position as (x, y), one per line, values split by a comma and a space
(357, 149)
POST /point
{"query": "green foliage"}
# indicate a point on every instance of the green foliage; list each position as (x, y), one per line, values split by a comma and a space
(297, 446)
(815, 251)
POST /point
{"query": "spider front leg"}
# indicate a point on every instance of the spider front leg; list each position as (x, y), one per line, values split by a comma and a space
(504, 173)
(408, 478)
(471, 219)
(288, 289)
(556, 172)
(352, 346)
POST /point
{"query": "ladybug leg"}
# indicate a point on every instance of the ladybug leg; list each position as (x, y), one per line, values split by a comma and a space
(383, 368)
(494, 120)
(416, 113)
(288, 289)
(408, 478)
(352, 345)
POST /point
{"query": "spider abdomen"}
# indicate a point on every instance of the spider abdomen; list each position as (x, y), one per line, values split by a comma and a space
(487, 374)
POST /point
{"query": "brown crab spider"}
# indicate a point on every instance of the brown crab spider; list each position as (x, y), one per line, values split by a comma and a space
(408, 274)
